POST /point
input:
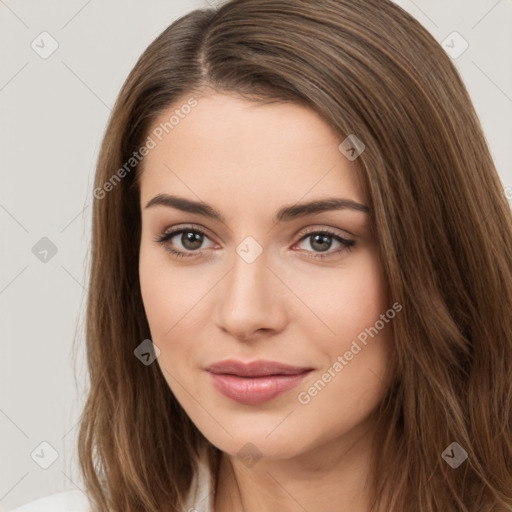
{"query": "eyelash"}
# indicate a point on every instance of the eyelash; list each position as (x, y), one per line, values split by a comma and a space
(347, 244)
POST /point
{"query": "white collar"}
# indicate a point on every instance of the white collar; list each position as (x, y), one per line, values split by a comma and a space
(201, 496)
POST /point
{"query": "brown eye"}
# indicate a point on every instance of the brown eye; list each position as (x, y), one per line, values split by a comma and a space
(186, 245)
(322, 241)
(191, 240)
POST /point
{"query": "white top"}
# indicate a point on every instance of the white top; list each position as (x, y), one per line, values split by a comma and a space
(200, 498)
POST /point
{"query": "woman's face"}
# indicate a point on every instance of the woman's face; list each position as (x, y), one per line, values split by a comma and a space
(250, 284)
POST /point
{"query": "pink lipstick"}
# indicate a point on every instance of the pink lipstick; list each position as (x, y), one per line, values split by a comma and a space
(256, 382)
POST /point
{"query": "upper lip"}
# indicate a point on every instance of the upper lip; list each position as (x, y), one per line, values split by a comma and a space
(255, 368)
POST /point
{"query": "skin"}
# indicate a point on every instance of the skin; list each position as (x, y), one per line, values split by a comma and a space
(247, 160)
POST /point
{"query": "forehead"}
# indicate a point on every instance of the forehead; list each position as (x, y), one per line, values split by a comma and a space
(247, 155)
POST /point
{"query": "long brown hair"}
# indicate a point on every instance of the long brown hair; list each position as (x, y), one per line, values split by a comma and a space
(444, 230)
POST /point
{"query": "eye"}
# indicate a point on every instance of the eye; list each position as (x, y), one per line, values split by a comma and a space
(322, 241)
(190, 240)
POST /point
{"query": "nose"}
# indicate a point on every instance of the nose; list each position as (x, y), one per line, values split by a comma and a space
(250, 301)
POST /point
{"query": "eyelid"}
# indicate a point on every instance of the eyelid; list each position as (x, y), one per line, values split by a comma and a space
(347, 243)
(334, 231)
(300, 233)
(183, 227)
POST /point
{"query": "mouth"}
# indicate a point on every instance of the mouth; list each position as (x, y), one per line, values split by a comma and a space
(257, 382)
(259, 368)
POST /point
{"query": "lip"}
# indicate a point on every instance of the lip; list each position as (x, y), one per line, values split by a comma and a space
(259, 368)
(255, 382)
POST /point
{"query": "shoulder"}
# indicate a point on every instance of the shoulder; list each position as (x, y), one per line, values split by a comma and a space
(67, 501)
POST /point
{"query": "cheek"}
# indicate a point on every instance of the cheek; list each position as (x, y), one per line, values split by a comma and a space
(344, 301)
(164, 295)
(357, 352)
(366, 327)
(168, 293)
(153, 284)
(362, 298)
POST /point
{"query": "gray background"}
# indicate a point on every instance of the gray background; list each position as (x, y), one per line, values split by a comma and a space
(53, 115)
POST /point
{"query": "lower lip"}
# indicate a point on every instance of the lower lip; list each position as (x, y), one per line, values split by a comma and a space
(255, 390)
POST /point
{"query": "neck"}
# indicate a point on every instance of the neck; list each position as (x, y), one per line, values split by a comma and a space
(332, 476)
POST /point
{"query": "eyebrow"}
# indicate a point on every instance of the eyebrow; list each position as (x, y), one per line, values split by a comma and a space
(287, 213)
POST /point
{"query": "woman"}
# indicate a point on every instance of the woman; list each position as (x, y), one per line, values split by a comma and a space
(301, 273)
